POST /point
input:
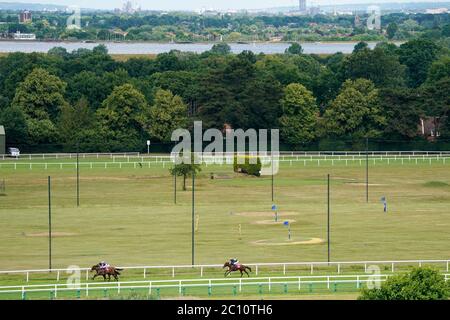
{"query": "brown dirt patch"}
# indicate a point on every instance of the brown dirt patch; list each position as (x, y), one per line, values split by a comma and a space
(54, 234)
(265, 213)
(270, 222)
(288, 243)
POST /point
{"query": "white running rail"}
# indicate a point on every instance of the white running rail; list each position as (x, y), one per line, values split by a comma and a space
(393, 265)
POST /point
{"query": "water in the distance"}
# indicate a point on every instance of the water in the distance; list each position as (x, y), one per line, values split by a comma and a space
(155, 48)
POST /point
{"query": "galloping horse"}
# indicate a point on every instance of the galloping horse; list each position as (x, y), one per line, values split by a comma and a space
(238, 267)
(109, 271)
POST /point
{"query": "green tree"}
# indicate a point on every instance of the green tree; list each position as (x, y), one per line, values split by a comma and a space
(76, 125)
(401, 107)
(122, 118)
(13, 119)
(41, 95)
(294, 48)
(355, 111)
(167, 114)
(419, 284)
(392, 30)
(185, 170)
(300, 112)
(377, 65)
(360, 46)
(439, 70)
(417, 55)
(221, 48)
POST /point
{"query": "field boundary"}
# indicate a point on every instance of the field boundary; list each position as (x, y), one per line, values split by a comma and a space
(339, 265)
(236, 283)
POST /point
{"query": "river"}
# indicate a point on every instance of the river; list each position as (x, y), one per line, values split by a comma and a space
(156, 48)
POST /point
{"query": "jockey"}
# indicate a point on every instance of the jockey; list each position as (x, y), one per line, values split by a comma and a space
(234, 262)
(103, 265)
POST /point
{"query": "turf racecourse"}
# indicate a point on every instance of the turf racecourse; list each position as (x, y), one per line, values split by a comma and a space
(127, 215)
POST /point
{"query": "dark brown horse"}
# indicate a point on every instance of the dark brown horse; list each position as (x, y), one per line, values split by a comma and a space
(237, 267)
(108, 271)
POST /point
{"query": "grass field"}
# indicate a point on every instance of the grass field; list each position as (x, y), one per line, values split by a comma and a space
(127, 216)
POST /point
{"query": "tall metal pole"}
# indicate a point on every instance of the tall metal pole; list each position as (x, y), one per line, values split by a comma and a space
(175, 188)
(367, 170)
(271, 153)
(78, 177)
(49, 225)
(328, 216)
(193, 218)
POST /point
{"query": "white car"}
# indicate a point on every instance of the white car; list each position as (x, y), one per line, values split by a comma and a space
(14, 152)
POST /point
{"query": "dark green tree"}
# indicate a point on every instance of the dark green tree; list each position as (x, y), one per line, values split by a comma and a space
(417, 55)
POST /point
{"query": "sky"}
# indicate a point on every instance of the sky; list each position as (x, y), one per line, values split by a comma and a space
(207, 4)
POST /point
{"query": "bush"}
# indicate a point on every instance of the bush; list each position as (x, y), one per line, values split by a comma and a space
(248, 167)
(419, 284)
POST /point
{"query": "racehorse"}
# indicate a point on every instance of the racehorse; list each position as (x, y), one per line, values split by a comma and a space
(108, 271)
(237, 267)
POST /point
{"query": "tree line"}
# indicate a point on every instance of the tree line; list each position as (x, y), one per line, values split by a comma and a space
(98, 25)
(85, 99)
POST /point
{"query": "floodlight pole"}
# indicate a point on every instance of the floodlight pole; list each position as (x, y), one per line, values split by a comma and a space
(193, 218)
(49, 225)
(175, 187)
(78, 175)
(271, 154)
(367, 170)
(328, 216)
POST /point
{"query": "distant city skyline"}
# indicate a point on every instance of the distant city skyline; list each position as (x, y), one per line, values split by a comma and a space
(210, 4)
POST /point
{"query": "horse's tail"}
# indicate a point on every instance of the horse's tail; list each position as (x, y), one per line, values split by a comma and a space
(119, 269)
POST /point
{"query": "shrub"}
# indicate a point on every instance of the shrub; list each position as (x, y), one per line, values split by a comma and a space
(419, 284)
(248, 167)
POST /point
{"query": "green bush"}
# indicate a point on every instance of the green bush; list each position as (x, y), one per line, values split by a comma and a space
(419, 284)
(247, 167)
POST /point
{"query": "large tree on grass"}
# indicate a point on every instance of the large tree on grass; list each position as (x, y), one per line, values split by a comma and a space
(300, 113)
(167, 114)
(41, 97)
(185, 170)
(356, 111)
(122, 118)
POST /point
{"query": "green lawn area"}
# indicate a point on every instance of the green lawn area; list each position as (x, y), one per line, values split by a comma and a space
(127, 216)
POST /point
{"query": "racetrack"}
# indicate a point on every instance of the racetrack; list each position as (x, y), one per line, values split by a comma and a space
(127, 216)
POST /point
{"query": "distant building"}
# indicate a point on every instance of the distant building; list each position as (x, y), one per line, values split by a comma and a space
(25, 17)
(314, 10)
(357, 22)
(436, 11)
(24, 36)
(130, 8)
(430, 127)
(302, 5)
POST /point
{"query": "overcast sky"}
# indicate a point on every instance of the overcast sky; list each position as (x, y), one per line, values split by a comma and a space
(198, 4)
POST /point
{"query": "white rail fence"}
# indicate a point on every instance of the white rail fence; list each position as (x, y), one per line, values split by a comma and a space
(44, 156)
(146, 271)
(228, 154)
(329, 281)
(159, 161)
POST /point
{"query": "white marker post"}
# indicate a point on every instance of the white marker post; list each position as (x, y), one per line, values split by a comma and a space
(148, 146)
